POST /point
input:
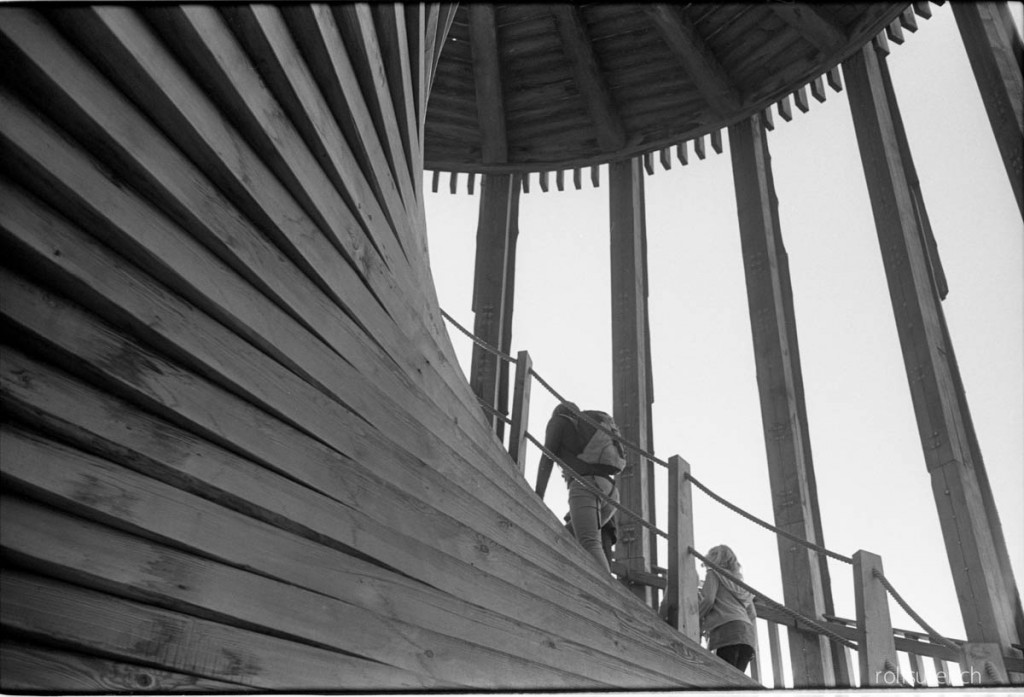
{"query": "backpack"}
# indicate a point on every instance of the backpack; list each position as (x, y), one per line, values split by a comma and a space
(602, 451)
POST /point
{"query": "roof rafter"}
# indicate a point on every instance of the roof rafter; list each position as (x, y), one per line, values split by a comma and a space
(825, 34)
(589, 77)
(490, 102)
(697, 59)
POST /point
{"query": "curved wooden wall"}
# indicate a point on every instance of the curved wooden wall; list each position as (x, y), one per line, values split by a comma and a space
(237, 451)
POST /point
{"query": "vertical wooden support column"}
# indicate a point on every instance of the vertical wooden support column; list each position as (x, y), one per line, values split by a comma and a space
(994, 51)
(773, 326)
(982, 664)
(989, 601)
(681, 592)
(629, 357)
(520, 411)
(876, 647)
(509, 300)
(489, 284)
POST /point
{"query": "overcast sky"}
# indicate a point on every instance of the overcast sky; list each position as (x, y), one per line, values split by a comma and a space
(874, 490)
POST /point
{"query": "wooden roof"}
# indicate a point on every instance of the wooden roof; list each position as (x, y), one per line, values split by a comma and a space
(530, 87)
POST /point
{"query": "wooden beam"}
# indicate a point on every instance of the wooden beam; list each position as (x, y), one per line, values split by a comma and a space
(819, 30)
(631, 399)
(589, 77)
(681, 595)
(989, 606)
(876, 648)
(783, 413)
(490, 100)
(994, 50)
(696, 57)
(489, 286)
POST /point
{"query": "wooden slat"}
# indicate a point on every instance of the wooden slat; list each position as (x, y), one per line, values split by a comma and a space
(577, 178)
(785, 108)
(515, 572)
(215, 218)
(818, 88)
(681, 153)
(665, 155)
(775, 648)
(131, 631)
(819, 30)
(922, 9)
(34, 668)
(648, 159)
(716, 141)
(894, 30)
(595, 175)
(542, 177)
(908, 20)
(96, 488)
(698, 147)
(768, 118)
(560, 180)
(800, 99)
(589, 77)
(834, 79)
(490, 102)
(696, 58)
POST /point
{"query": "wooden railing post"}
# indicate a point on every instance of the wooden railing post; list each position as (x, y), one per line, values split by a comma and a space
(877, 648)
(520, 411)
(681, 594)
(981, 663)
(775, 647)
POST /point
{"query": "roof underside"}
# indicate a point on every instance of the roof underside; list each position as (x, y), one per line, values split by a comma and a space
(527, 87)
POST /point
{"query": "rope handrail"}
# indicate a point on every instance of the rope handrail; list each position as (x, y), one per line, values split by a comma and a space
(594, 490)
(816, 627)
(648, 455)
(932, 634)
(477, 340)
(749, 516)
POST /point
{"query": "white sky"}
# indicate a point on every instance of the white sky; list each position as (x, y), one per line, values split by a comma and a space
(873, 487)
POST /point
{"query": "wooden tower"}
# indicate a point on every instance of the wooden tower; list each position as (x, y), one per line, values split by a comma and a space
(237, 450)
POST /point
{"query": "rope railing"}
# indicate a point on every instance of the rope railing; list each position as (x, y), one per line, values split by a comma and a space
(932, 634)
(813, 625)
(477, 340)
(808, 622)
(648, 455)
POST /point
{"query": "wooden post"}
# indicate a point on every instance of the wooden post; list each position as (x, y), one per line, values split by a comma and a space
(994, 51)
(681, 593)
(489, 285)
(520, 411)
(941, 672)
(981, 663)
(917, 669)
(755, 669)
(876, 648)
(989, 601)
(784, 415)
(509, 304)
(775, 647)
(631, 399)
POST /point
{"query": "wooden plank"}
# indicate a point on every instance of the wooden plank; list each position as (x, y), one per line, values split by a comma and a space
(470, 183)
(908, 20)
(97, 489)
(716, 141)
(648, 160)
(681, 593)
(917, 672)
(225, 157)
(785, 108)
(768, 119)
(630, 392)
(876, 648)
(818, 88)
(665, 155)
(132, 631)
(34, 668)
(520, 411)
(560, 180)
(922, 9)
(835, 81)
(510, 576)
(435, 180)
(881, 43)
(800, 99)
(577, 178)
(265, 324)
(490, 102)
(78, 549)
(698, 147)
(542, 177)
(453, 183)
(985, 593)
(776, 352)
(697, 59)
(994, 51)
(589, 77)
(167, 453)
(894, 30)
(818, 29)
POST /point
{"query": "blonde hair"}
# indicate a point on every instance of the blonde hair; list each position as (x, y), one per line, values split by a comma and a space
(723, 556)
